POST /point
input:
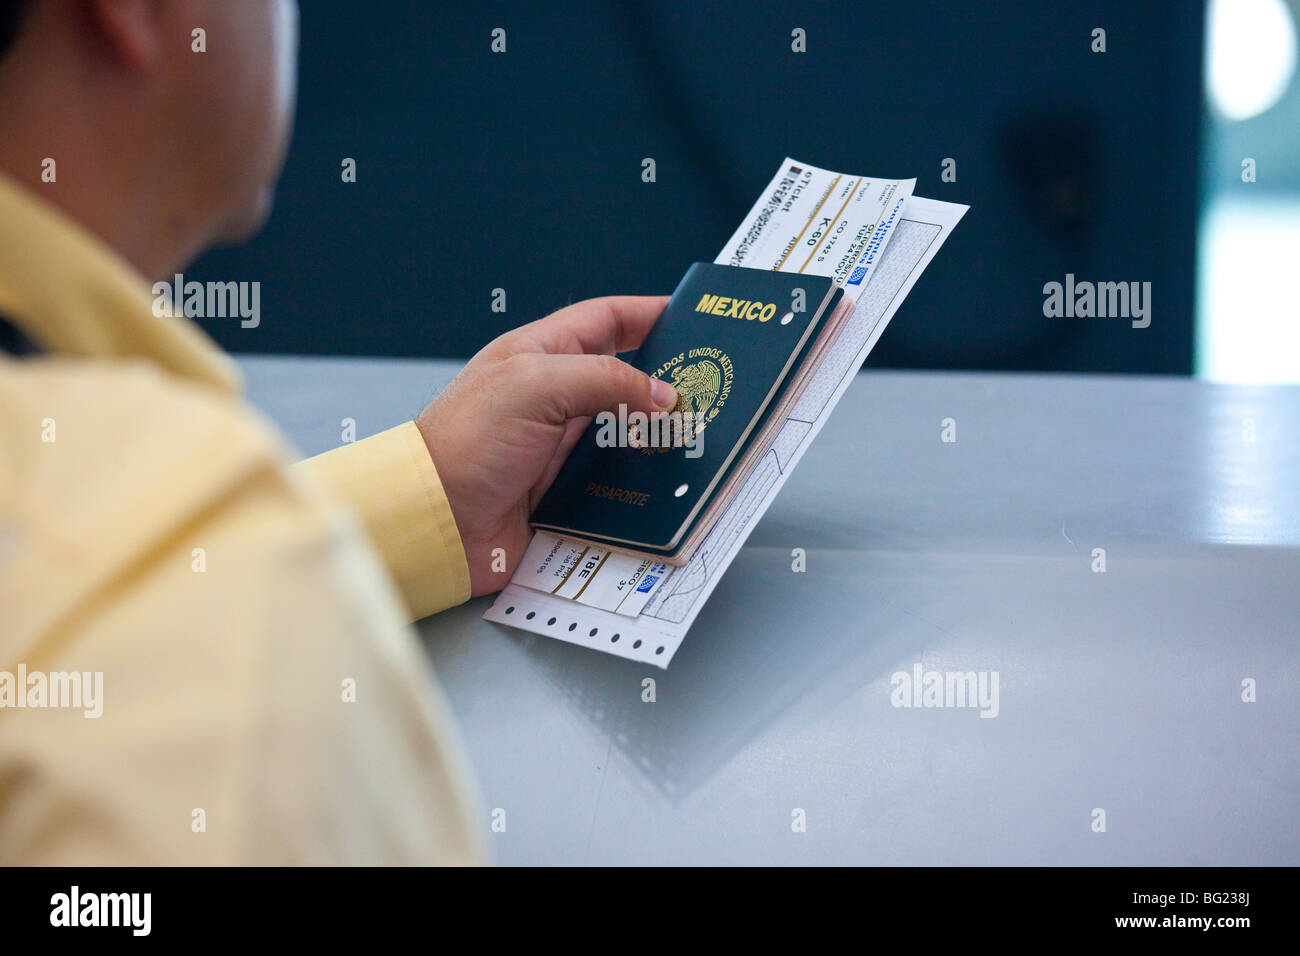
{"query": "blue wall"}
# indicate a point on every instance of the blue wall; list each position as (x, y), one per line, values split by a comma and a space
(522, 170)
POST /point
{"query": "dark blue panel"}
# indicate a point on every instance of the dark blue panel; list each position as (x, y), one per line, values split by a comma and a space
(522, 171)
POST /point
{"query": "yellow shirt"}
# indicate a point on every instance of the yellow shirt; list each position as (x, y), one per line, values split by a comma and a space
(263, 699)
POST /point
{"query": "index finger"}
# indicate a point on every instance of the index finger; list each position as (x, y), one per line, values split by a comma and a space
(610, 324)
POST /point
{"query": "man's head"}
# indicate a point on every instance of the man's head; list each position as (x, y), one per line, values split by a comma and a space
(168, 119)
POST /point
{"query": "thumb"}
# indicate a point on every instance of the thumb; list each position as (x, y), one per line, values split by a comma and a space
(556, 388)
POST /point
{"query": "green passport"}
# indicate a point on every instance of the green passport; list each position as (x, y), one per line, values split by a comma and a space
(729, 340)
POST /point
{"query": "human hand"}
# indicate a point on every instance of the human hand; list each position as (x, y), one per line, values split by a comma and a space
(500, 431)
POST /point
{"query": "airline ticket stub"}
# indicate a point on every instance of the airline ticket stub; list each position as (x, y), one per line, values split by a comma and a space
(589, 575)
(819, 222)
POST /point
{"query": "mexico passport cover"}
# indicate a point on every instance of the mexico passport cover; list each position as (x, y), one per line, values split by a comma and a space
(729, 340)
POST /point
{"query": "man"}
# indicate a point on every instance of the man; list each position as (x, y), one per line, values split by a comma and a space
(261, 696)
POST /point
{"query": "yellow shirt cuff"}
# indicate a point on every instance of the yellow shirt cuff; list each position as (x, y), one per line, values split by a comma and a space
(390, 480)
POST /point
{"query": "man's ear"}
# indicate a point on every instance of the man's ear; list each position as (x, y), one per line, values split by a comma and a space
(134, 31)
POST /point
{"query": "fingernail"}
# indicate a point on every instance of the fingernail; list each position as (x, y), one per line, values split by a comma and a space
(662, 394)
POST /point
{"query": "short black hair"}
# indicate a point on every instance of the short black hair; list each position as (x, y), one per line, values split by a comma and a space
(11, 18)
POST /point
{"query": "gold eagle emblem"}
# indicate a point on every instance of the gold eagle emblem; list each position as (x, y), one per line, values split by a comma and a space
(698, 385)
(702, 389)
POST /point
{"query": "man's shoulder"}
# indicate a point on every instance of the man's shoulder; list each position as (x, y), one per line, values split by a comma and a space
(104, 387)
(107, 461)
(82, 431)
